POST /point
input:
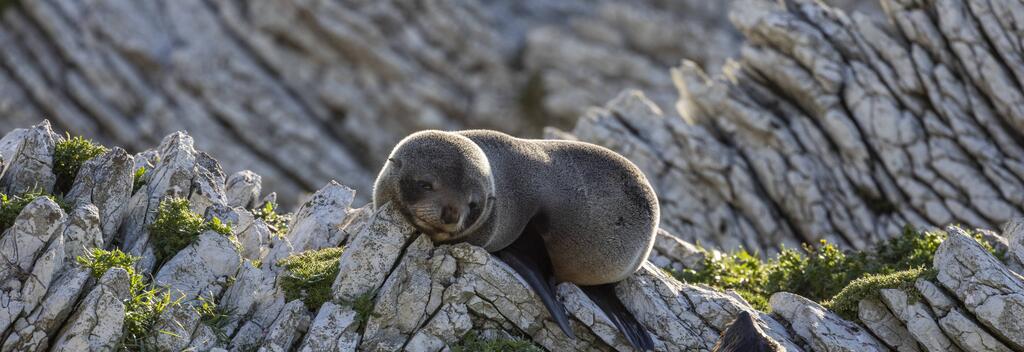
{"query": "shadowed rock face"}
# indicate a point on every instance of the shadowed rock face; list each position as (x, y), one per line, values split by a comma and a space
(303, 92)
(743, 335)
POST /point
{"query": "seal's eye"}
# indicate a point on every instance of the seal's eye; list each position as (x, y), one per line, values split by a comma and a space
(425, 185)
(474, 206)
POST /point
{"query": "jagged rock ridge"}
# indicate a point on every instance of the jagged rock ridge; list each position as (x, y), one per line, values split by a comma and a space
(834, 126)
(422, 297)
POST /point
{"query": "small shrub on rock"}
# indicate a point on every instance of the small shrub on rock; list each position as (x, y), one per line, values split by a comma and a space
(310, 275)
(176, 226)
(818, 273)
(138, 179)
(68, 156)
(144, 304)
(214, 316)
(268, 213)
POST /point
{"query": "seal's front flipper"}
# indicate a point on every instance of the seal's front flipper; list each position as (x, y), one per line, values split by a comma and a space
(605, 298)
(528, 257)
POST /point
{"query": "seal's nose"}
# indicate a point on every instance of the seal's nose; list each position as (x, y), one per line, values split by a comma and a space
(450, 215)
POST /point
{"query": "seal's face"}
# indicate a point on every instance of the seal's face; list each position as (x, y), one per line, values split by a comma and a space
(443, 184)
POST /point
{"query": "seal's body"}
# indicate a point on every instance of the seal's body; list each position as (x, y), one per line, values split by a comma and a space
(553, 210)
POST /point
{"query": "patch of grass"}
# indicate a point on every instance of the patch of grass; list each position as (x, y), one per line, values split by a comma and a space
(138, 179)
(816, 272)
(268, 213)
(144, 304)
(473, 342)
(845, 303)
(11, 206)
(176, 226)
(310, 275)
(68, 156)
(98, 261)
(215, 316)
(363, 305)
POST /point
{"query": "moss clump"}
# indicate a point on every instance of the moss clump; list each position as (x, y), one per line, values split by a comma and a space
(472, 341)
(176, 226)
(310, 275)
(144, 304)
(268, 213)
(11, 206)
(138, 179)
(818, 273)
(68, 156)
(845, 303)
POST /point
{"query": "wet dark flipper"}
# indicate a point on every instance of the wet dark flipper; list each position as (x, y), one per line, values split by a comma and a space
(528, 257)
(605, 298)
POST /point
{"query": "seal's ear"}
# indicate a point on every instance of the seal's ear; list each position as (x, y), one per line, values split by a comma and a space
(396, 162)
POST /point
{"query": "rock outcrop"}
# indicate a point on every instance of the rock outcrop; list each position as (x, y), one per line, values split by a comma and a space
(833, 126)
(396, 290)
(308, 91)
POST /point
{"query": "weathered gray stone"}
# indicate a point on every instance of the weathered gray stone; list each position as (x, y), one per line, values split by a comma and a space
(96, 323)
(987, 289)
(31, 254)
(28, 155)
(884, 325)
(369, 257)
(918, 319)
(821, 329)
(106, 183)
(243, 189)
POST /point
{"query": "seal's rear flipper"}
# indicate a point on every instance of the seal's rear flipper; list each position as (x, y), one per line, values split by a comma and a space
(744, 335)
(528, 257)
(605, 298)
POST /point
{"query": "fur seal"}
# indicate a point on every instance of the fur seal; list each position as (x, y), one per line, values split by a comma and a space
(553, 210)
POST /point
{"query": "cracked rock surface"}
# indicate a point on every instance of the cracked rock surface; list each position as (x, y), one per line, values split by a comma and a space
(317, 89)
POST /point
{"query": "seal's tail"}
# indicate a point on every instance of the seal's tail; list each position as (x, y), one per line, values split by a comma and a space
(605, 298)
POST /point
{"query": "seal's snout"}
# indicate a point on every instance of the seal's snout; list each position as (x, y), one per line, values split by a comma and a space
(450, 215)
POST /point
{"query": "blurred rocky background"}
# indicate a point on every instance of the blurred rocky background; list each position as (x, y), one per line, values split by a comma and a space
(303, 92)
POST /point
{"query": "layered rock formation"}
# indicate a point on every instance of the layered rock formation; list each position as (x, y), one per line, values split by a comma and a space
(416, 295)
(831, 126)
(304, 92)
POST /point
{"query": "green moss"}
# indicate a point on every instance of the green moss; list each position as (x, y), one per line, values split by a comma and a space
(68, 156)
(845, 303)
(144, 304)
(310, 275)
(138, 180)
(268, 213)
(816, 272)
(176, 226)
(473, 342)
(11, 206)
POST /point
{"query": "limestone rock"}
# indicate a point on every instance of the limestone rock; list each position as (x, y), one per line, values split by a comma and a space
(989, 290)
(918, 319)
(106, 183)
(333, 329)
(31, 254)
(957, 324)
(96, 323)
(28, 155)
(243, 189)
(823, 330)
(315, 224)
(886, 326)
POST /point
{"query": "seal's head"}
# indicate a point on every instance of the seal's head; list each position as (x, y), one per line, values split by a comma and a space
(440, 181)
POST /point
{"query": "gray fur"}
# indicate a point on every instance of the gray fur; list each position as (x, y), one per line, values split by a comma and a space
(598, 211)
